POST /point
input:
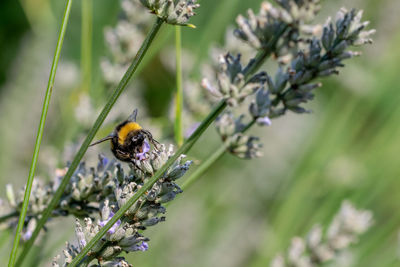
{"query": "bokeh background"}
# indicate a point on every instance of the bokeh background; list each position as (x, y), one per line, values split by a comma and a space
(241, 213)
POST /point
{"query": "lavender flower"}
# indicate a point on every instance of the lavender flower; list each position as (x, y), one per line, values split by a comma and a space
(142, 247)
(126, 234)
(176, 12)
(264, 121)
(318, 249)
(294, 83)
(232, 84)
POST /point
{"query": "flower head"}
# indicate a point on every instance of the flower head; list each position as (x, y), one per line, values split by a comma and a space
(142, 247)
(176, 12)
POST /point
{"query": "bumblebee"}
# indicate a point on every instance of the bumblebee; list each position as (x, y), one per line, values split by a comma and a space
(128, 141)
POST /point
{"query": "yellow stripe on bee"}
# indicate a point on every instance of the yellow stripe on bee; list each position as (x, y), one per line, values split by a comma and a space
(126, 129)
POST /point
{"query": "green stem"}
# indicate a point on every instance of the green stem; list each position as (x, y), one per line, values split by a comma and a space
(39, 135)
(182, 150)
(179, 89)
(86, 44)
(211, 160)
(203, 167)
(100, 119)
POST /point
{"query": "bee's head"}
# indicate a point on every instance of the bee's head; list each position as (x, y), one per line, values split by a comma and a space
(138, 139)
(126, 132)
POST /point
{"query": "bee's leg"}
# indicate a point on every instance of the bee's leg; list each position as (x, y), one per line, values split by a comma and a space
(151, 139)
(129, 158)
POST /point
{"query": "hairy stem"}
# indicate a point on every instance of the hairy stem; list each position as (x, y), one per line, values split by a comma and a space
(39, 135)
(100, 119)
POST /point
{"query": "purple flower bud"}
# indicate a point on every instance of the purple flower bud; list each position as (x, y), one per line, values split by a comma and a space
(82, 243)
(142, 247)
(264, 121)
(145, 149)
(27, 235)
(114, 227)
(104, 161)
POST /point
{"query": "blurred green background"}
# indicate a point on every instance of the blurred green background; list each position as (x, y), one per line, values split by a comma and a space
(241, 213)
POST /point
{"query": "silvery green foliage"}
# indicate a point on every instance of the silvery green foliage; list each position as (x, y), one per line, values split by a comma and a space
(294, 83)
(176, 12)
(126, 234)
(319, 248)
(232, 83)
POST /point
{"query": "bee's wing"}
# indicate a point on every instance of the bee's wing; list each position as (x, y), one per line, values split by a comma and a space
(133, 116)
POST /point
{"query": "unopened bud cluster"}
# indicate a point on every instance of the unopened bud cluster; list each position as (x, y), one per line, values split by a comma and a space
(232, 82)
(279, 27)
(318, 248)
(271, 32)
(230, 128)
(176, 12)
(111, 186)
(86, 188)
(126, 234)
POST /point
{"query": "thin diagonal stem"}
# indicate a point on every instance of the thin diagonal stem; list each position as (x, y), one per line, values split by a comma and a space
(39, 136)
(204, 166)
(179, 89)
(211, 160)
(100, 119)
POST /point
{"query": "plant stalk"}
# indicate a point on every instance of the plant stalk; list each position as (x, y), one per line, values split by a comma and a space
(210, 161)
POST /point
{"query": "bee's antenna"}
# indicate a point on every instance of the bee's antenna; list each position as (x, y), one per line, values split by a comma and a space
(133, 116)
(103, 140)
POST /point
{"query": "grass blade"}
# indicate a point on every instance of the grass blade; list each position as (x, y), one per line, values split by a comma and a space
(179, 89)
(39, 136)
(86, 46)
